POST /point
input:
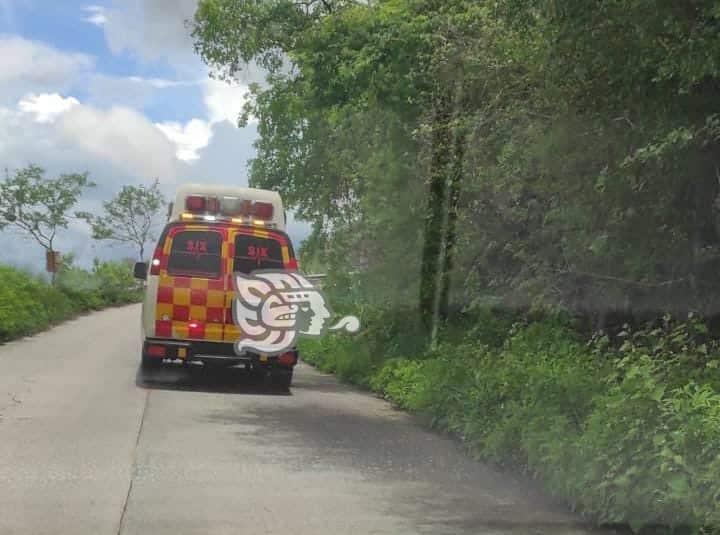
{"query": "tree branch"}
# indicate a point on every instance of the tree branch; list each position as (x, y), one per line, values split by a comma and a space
(621, 280)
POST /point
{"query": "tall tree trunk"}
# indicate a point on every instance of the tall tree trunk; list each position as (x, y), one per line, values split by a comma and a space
(452, 215)
(53, 273)
(704, 232)
(436, 209)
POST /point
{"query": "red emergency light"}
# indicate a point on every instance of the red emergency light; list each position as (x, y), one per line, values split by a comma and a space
(263, 210)
(195, 203)
(212, 204)
(228, 207)
(199, 203)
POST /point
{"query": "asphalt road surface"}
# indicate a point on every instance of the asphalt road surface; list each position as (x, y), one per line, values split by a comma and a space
(89, 445)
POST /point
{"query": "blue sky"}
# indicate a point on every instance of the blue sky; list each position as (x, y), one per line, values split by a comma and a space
(113, 88)
(65, 25)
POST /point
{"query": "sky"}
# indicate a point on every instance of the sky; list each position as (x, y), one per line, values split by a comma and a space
(114, 89)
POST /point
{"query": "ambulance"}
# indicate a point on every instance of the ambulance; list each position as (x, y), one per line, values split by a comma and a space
(212, 232)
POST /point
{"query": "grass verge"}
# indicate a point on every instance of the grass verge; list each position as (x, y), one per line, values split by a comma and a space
(29, 304)
(626, 431)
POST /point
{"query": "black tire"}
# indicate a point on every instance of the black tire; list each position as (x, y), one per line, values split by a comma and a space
(281, 379)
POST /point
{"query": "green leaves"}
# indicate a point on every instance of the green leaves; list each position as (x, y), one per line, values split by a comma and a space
(632, 438)
(29, 304)
(37, 205)
(585, 138)
(132, 216)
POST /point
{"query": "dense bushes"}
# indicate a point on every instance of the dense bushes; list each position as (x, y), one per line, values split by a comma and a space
(29, 304)
(626, 430)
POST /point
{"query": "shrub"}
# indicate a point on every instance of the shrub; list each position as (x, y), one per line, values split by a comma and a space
(116, 284)
(29, 304)
(625, 430)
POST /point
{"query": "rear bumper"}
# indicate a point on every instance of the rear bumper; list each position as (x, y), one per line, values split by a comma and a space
(212, 353)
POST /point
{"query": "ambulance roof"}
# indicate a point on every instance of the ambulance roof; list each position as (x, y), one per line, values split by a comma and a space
(229, 192)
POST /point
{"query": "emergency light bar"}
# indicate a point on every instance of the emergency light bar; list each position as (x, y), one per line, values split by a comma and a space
(185, 216)
(241, 205)
(229, 207)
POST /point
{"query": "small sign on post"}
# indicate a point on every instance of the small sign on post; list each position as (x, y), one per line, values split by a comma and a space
(52, 261)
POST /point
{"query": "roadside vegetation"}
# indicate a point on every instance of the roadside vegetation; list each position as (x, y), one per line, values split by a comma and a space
(30, 304)
(626, 430)
(521, 201)
(39, 208)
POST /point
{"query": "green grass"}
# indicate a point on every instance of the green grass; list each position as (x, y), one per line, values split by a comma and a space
(626, 433)
(29, 304)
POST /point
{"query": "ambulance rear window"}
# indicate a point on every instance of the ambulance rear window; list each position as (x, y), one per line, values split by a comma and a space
(252, 252)
(196, 253)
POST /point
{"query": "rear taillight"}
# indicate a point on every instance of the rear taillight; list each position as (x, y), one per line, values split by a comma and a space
(155, 266)
(155, 351)
(293, 264)
(289, 358)
(196, 329)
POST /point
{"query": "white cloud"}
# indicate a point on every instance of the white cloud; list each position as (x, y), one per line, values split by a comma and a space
(114, 142)
(158, 30)
(161, 83)
(135, 91)
(46, 107)
(189, 138)
(122, 137)
(152, 29)
(95, 15)
(83, 139)
(224, 101)
(40, 122)
(32, 62)
(117, 146)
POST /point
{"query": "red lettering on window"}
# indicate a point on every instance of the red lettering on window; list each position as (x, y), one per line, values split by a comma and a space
(257, 253)
(196, 247)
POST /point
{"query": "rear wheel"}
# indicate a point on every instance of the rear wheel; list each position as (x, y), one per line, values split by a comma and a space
(281, 379)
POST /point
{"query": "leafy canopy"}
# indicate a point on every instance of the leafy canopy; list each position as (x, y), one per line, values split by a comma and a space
(129, 217)
(37, 205)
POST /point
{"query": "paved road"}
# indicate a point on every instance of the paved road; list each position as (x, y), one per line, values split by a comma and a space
(88, 445)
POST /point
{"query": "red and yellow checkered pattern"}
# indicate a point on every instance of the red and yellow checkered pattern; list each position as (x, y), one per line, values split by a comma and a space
(193, 308)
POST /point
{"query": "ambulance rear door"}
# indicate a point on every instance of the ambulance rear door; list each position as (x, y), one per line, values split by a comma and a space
(192, 284)
(250, 249)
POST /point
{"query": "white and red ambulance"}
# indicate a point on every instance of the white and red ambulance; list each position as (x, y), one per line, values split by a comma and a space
(212, 232)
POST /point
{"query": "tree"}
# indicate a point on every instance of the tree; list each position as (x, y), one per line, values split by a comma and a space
(130, 217)
(37, 205)
(532, 154)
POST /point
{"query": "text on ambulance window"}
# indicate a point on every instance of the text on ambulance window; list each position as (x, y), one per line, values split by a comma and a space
(196, 253)
(252, 252)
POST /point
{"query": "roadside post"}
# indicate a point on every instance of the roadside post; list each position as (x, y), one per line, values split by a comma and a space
(53, 260)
